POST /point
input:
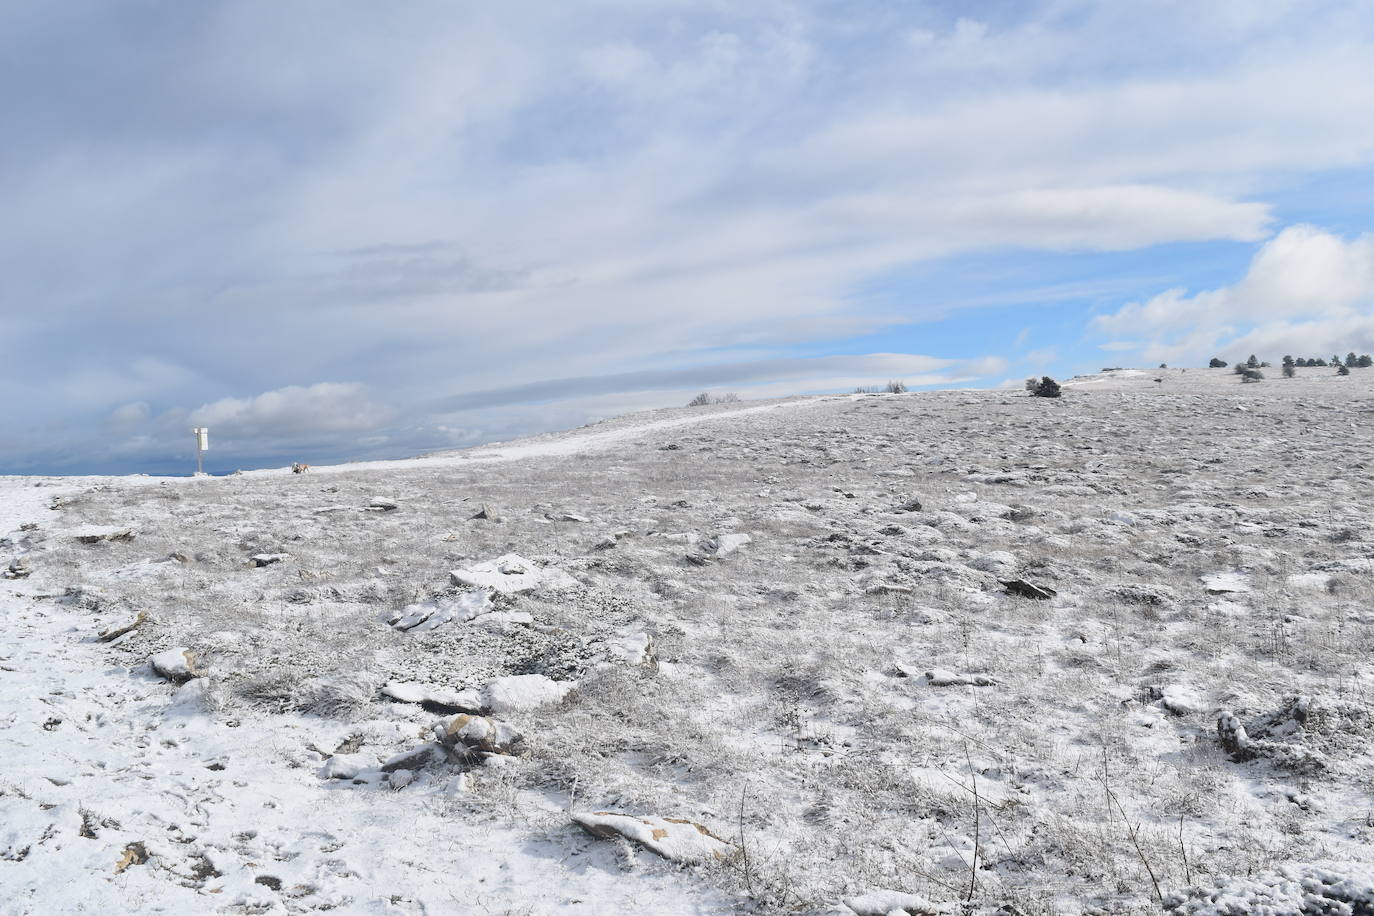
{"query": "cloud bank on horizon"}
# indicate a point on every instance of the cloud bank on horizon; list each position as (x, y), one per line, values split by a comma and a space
(359, 230)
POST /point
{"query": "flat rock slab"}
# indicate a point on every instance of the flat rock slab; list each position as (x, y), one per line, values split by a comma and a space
(1023, 589)
(1226, 583)
(511, 573)
(427, 615)
(523, 692)
(462, 700)
(95, 534)
(672, 838)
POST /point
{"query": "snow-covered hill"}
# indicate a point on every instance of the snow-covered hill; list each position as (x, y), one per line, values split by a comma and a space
(957, 651)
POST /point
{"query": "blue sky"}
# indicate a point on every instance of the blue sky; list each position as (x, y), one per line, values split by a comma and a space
(348, 229)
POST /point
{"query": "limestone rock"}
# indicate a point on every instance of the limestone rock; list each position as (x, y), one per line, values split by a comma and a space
(478, 734)
(523, 692)
(672, 838)
(176, 665)
(117, 630)
(95, 534)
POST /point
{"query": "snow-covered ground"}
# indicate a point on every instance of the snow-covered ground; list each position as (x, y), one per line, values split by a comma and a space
(937, 652)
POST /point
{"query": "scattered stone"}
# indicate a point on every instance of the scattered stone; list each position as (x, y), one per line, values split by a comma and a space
(382, 505)
(1023, 589)
(112, 633)
(566, 517)
(471, 734)
(674, 839)
(259, 560)
(911, 505)
(511, 573)
(484, 513)
(18, 569)
(175, 665)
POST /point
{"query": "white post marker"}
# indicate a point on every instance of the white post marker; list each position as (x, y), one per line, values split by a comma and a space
(202, 444)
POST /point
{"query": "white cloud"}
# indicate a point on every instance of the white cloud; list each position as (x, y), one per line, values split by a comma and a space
(1306, 292)
(295, 411)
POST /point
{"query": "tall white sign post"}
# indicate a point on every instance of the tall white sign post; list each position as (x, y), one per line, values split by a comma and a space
(202, 443)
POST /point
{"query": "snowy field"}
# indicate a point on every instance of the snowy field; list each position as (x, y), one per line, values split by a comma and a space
(942, 652)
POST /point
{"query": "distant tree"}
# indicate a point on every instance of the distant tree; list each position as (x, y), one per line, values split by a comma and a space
(1335, 360)
(1342, 370)
(1045, 388)
(1317, 362)
(1252, 362)
(896, 387)
(728, 397)
(1289, 370)
(700, 400)
(1351, 360)
(1164, 365)
(1366, 361)
(1252, 375)
(1241, 368)
(1300, 362)
(1216, 363)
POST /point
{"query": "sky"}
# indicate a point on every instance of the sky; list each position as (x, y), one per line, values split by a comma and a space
(340, 230)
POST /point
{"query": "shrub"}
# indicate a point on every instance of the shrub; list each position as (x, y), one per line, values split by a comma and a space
(1342, 370)
(1240, 369)
(1045, 388)
(700, 400)
(1351, 360)
(1216, 363)
(896, 387)
(1366, 361)
(1252, 362)
(1252, 375)
(728, 397)
(1164, 365)
(1289, 371)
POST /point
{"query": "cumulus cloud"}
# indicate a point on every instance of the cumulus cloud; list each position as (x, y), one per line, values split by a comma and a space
(1306, 292)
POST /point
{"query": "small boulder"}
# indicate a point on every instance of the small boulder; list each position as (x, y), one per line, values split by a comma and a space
(18, 569)
(381, 504)
(260, 560)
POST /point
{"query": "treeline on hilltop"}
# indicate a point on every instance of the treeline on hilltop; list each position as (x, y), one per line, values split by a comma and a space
(1249, 369)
